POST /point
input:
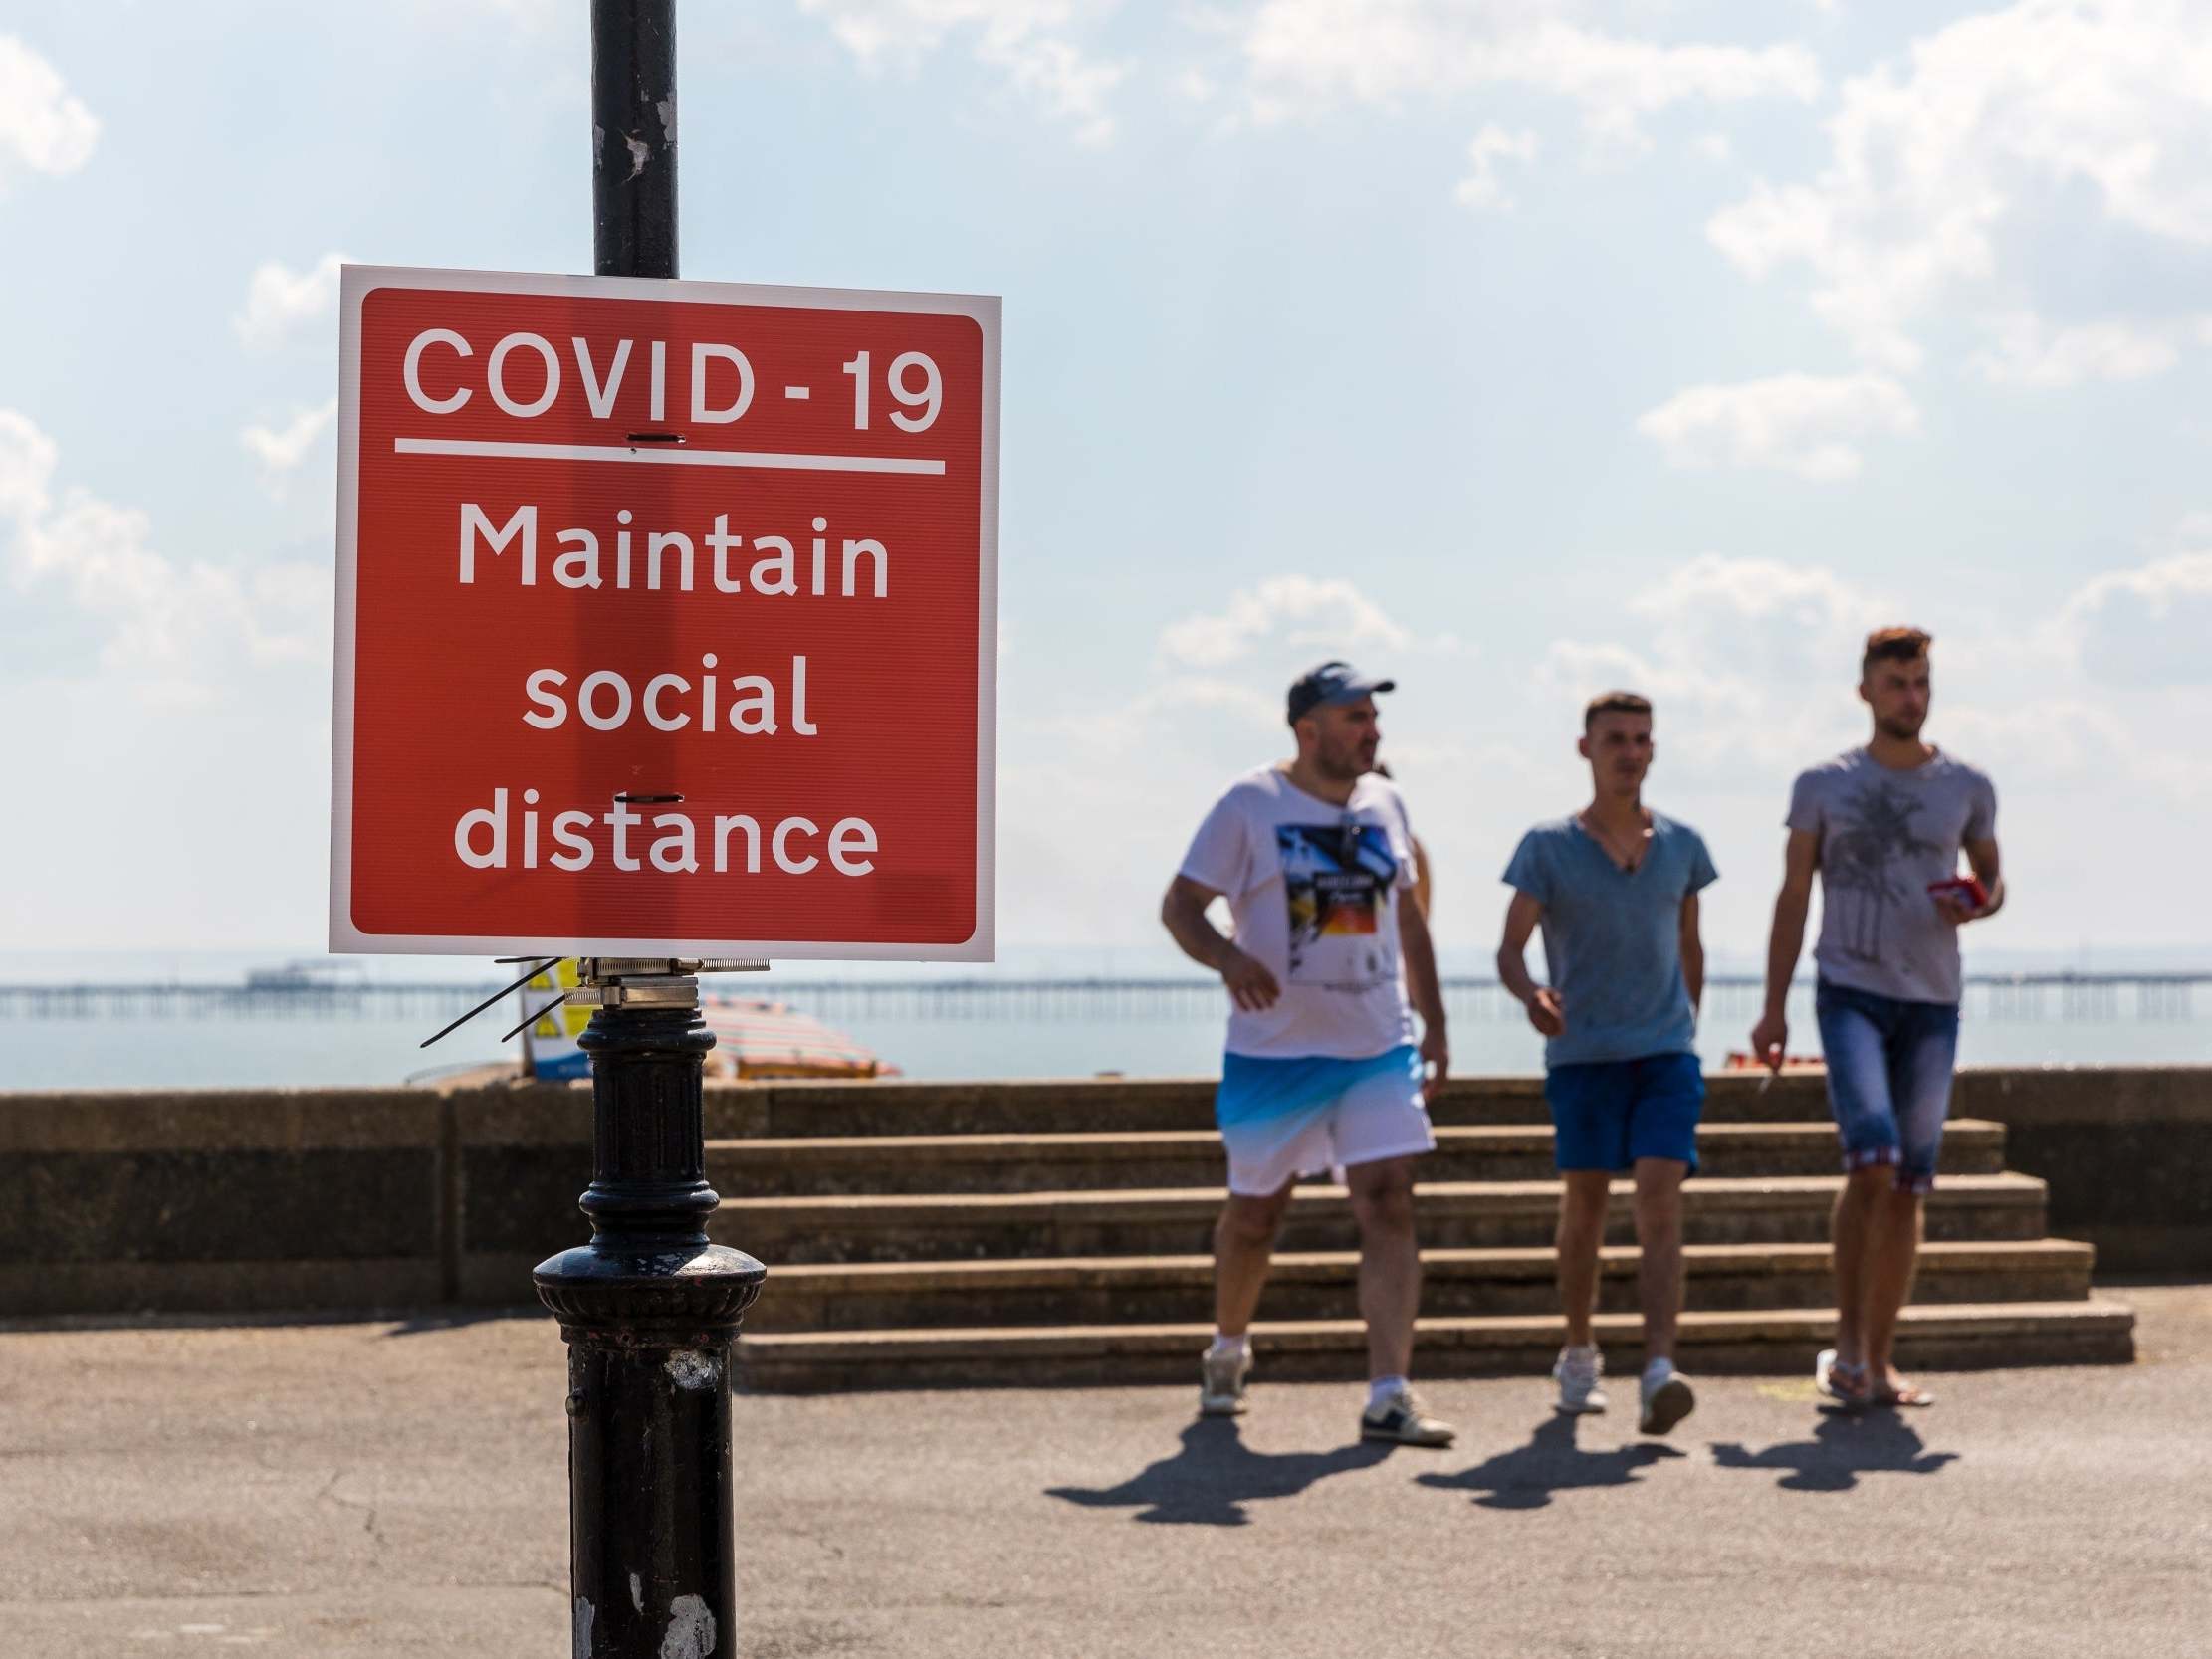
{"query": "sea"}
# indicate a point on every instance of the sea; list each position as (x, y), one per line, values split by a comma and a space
(1037, 1013)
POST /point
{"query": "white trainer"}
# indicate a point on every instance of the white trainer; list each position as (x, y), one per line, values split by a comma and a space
(1577, 1374)
(1221, 1376)
(1402, 1419)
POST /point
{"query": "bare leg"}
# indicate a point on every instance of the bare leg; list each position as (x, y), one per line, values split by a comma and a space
(1390, 1262)
(1892, 1249)
(1582, 1208)
(1853, 1229)
(1244, 1243)
(1658, 1237)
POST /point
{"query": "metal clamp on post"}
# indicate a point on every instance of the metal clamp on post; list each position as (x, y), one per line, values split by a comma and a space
(649, 982)
(618, 983)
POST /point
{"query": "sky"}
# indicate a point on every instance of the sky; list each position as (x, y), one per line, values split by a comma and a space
(1517, 348)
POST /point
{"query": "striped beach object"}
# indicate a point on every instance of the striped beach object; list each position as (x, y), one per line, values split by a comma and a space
(757, 1038)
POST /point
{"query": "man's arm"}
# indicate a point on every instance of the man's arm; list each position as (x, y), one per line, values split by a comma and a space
(1694, 954)
(1545, 1011)
(1183, 912)
(1800, 859)
(1424, 887)
(1989, 870)
(1427, 991)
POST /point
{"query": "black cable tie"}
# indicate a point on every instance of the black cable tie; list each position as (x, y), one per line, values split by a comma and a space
(533, 1019)
(550, 961)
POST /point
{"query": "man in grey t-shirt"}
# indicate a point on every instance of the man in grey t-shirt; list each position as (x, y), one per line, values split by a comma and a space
(1883, 827)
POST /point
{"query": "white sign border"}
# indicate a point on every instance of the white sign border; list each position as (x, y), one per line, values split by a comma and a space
(357, 282)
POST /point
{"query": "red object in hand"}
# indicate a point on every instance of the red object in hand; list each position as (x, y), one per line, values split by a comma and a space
(1964, 890)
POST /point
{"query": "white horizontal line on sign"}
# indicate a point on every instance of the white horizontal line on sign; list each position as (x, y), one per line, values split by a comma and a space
(668, 456)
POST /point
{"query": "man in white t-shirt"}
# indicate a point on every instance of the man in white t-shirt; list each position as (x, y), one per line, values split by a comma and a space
(1321, 1072)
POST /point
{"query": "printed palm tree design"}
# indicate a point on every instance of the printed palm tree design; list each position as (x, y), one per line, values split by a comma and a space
(1858, 866)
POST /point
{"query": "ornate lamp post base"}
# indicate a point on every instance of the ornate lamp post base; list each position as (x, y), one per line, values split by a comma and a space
(650, 1311)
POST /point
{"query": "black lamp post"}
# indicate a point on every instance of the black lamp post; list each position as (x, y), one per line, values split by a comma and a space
(649, 1308)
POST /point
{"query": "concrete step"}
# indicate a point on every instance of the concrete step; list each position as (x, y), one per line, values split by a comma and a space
(1310, 1285)
(1116, 1159)
(1770, 1341)
(1180, 1221)
(810, 1111)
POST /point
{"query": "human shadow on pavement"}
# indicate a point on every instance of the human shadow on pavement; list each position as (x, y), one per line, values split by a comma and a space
(1209, 1481)
(1526, 1477)
(1846, 1445)
(457, 1318)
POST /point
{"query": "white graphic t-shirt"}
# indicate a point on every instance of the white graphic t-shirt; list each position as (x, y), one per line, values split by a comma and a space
(1313, 889)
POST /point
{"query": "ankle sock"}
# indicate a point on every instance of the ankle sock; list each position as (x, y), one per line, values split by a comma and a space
(1230, 1345)
(1657, 1371)
(1382, 1388)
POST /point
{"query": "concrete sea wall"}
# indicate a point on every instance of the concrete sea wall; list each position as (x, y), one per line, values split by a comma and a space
(239, 1202)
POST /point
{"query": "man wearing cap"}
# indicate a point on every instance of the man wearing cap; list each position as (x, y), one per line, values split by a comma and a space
(1321, 1071)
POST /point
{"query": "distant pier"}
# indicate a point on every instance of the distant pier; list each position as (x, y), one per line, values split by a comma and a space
(2016, 998)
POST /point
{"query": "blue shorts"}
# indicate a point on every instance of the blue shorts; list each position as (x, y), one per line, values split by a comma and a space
(1283, 1119)
(1606, 1113)
(1889, 1077)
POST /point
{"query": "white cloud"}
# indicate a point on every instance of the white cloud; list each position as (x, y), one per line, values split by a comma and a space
(1750, 662)
(2146, 627)
(1760, 658)
(281, 448)
(173, 628)
(1301, 53)
(2028, 352)
(1192, 706)
(1196, 84)
(1712, 147)
(1805, 424)
(1481, 188)
(1996, 126)
(27, 458)
(1232, 664)
(279, 300)
(1287, 609)
(43, 128)
(1033, 43)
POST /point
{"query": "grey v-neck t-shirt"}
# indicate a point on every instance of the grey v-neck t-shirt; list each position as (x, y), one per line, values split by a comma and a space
(1884, 835)
(1612, 938)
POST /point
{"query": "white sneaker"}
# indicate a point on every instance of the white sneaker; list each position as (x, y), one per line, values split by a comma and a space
(1577, 1374)
(1402, 1420)
(1222, 1377)
(1667, 1399)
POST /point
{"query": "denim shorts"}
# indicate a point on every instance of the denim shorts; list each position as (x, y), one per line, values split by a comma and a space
(1606, 1113)
(1889, 1077)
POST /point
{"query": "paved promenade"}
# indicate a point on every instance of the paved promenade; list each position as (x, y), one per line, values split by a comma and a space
(385, 1489)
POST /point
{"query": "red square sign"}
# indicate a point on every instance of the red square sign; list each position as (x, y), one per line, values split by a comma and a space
(666, 619)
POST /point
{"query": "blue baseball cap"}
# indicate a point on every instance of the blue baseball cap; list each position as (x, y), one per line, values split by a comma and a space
(1332, 682)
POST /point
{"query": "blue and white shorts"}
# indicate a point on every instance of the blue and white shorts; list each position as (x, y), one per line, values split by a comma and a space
(1283, 1119)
